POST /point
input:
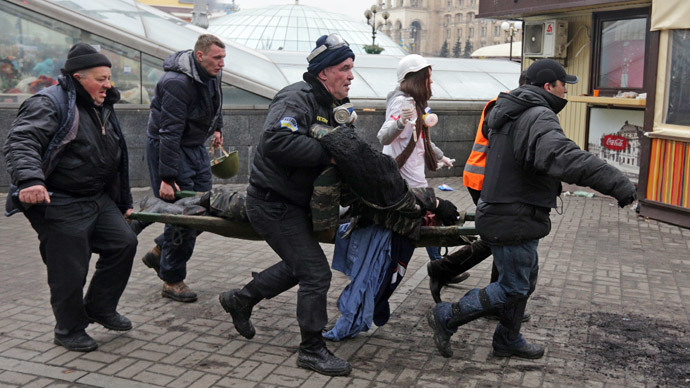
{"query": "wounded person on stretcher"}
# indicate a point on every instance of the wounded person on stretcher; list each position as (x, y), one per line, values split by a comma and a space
(386, 217)
(363, 179)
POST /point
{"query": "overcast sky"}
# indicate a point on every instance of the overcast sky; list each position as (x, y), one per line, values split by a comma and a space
(353, 8)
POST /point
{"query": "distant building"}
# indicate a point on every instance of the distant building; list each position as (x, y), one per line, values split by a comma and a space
(422, 26)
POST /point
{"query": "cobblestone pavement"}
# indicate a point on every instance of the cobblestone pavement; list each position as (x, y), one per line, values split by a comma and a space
(612, 306)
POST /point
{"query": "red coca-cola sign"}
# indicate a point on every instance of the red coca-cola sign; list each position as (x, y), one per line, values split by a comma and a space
(614, 142)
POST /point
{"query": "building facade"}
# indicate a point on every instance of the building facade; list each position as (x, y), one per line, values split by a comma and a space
(426, 26)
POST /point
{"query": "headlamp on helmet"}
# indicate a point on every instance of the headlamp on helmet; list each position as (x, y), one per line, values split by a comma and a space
(333, 41)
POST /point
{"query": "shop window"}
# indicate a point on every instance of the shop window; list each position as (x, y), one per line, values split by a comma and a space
(678, 82)
(619, 50)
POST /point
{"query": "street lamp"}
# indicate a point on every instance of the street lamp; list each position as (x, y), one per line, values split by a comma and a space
(512, 28)
(370, 14)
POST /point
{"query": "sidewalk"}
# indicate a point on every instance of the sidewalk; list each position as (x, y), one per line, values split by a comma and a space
(612, 305)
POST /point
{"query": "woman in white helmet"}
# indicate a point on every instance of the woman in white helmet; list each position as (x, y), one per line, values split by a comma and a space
(404, 134)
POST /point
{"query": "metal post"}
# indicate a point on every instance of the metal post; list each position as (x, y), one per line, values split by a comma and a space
(511, 43)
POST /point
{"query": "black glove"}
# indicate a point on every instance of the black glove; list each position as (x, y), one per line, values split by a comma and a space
(627, 200)
(446, 212)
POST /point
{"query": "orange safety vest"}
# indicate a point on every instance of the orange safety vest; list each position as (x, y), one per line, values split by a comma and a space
(473, 174)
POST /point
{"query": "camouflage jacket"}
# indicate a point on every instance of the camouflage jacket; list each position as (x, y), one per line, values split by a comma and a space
(404, 218)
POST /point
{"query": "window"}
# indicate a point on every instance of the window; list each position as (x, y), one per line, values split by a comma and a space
(471, 33)
(446, 20)
(483, 32)
(458, 18)
(678, 109)
(497, 30)
(470, 17)
(459, 33)
(619, 53)
(33, 49)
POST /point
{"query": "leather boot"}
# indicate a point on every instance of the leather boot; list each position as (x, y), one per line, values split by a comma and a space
(152, 258)
(239, 303)
(314, 355)
(78, 341)
(436, 283)
(113, 321)
(179, 292)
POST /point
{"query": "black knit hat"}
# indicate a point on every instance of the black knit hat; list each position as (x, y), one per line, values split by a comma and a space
(548, 70)
(84, 56)
(328, 54)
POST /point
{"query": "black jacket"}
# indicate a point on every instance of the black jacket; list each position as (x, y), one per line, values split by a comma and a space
(528, 157)
(40, 147)
(184, 112)
(288, 159)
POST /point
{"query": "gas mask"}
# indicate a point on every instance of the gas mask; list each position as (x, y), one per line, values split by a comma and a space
(344, 114)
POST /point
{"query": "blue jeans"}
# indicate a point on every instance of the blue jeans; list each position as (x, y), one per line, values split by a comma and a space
(194, 173)
(434, 253)
(518, 266)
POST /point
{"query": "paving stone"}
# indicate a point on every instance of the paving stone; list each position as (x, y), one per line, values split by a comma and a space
(598, 259)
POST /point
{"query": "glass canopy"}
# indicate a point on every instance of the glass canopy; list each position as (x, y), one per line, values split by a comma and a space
(264, 72)
(295, 27)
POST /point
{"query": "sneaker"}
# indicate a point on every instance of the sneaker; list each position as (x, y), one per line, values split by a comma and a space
(112, 321)
(77, 342)
(239, 312)
(441, 335)
(179, 292)
(324, 362)
(529, 351)
(152, 258)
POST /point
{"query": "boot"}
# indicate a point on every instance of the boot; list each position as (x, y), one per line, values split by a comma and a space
(436, 283)
(314, 355)
(78, 341)
(453, 267)
(524, 350)
(179, 292)
(441, 333)
(152, 258)
(239, 305)
(445, 318)
(460, 261)
(113, 321)
(507, 340)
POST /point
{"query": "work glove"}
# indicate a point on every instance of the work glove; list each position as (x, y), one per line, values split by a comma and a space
(445, 162)
(446, 212)
(628, 199)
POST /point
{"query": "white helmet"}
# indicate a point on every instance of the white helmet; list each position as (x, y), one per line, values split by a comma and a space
(410, 64)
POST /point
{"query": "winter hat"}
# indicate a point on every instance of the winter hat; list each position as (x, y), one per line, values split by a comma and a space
(330, 50)
(84, 56)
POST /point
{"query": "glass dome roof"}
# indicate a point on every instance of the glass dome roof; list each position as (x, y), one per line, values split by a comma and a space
(295, 27)
(264, 72)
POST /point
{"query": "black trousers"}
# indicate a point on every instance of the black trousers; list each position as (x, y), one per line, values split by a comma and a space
(68, 234)
(288, 230)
